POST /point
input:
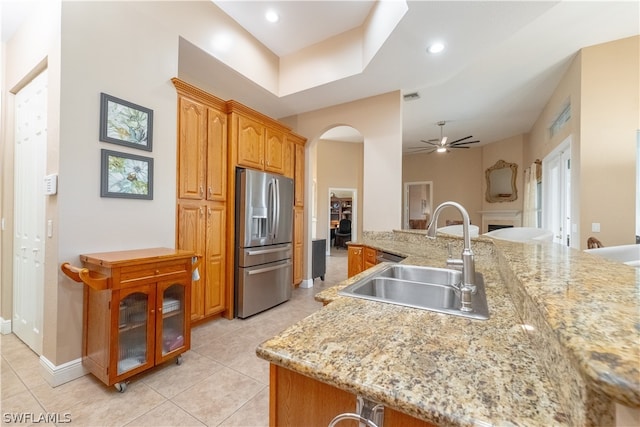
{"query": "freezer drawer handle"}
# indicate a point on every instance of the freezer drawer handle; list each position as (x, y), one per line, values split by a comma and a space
(264, 270)
(266, 251)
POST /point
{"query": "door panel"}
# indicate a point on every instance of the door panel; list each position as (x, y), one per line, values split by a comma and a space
(29, 211)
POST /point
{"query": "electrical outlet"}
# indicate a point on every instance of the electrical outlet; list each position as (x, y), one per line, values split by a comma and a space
(595, 227)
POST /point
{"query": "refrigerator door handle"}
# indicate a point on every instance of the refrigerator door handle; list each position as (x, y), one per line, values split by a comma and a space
(276, 208)
(266, 269)
(267, 251)
(272, 208)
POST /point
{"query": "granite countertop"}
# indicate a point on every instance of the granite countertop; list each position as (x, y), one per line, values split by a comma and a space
(449, 370)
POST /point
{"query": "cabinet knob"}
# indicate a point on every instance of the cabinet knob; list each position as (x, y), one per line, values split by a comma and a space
(210, 192)
(157, 272)
(201, 191)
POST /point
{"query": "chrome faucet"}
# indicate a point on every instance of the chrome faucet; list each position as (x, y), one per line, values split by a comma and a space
(468, 286)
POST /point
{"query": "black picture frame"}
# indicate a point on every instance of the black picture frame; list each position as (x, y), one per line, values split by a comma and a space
(125, 123)
(125, 175)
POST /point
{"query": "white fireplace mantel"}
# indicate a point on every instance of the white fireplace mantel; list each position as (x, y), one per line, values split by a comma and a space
(500, 217)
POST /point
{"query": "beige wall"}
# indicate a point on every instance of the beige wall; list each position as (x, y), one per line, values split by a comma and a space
(85, 222)
(610, 118)
(35, 47)
(339, 165)
(509, 150)
(603, 86)
(457, 176)
(379, 120)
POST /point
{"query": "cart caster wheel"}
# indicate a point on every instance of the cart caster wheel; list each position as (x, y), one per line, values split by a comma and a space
(179, 360)
(121, 387)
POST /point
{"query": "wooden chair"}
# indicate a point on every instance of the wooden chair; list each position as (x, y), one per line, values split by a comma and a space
(593, 243)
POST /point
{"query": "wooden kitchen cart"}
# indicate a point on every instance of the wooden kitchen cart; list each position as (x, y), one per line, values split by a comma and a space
(136, 310)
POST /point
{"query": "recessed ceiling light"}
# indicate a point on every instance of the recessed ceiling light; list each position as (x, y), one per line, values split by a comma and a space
(435, 48)
(272, 16)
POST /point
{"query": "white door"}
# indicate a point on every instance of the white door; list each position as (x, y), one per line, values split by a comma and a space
(556, 182)
(29, 211)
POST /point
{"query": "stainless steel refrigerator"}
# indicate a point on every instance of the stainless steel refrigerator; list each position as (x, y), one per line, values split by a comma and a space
(264, 228)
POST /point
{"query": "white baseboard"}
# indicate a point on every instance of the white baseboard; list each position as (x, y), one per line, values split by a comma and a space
(5, 326)
(306, 283)
(57, 375)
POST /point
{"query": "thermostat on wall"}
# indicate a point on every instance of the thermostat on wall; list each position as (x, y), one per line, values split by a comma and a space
(51, 184)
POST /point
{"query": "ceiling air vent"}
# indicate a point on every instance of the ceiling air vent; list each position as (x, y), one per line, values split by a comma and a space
(411, 96)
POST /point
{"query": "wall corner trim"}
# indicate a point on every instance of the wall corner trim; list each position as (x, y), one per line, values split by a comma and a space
(5, 326)
(58, 375)
(306, 283)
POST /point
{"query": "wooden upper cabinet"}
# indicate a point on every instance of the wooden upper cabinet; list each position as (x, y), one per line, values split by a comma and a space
(288, 158)
(202, 145)
(299, 175)
(216, 154)
(275, 143)
(192, 142)
(250, 143)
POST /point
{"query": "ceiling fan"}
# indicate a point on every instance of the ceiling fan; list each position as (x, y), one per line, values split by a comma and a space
(442, 145)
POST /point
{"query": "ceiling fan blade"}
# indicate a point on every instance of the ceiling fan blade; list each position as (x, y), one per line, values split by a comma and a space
(463, 143)
(457, 146)
(461, 139)
(429, 142)
(421, 149)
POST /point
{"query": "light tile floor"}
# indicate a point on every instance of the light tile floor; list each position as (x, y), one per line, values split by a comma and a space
(221, 381)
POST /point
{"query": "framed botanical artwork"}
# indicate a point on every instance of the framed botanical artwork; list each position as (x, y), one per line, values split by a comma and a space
(126, 175)
(125, 123)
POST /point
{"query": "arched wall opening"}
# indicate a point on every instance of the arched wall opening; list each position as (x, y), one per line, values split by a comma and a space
(379, 120)
(336, 174)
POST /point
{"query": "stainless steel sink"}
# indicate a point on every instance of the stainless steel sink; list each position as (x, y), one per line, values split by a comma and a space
(427, 288)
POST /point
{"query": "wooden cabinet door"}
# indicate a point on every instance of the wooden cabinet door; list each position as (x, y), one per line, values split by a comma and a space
(173, 335)
(370, 257)
(322, 402)
(133, 331)
(216, 155)
(274, 150)
(288, 158)
(356, 260)
(214, 289)
(299, 175)
(191, 236)
(298, 245)
(192, 139)
(250, 143)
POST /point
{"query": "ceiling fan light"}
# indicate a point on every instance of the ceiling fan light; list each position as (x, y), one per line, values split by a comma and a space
(441, 150)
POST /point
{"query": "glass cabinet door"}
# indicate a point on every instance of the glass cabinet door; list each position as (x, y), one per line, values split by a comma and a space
(133, 331)
(173, 318)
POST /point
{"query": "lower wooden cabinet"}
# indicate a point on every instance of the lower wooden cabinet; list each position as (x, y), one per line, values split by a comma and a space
(370, 257)
(360, 259)
(136, 310)
(296, 400)
(201, 229)
(356, 260)
(298, 244)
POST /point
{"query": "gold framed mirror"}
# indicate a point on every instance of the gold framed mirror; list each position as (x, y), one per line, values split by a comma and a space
(501, 182)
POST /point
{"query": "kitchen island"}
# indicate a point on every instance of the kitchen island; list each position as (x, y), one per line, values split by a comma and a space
(561, 346)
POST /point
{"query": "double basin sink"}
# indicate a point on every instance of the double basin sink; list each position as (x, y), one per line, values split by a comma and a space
(427, 288)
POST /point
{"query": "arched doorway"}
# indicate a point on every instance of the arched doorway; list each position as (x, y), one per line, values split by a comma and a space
(336, 172)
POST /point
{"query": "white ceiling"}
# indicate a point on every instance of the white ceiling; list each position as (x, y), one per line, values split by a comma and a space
(502, 61)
